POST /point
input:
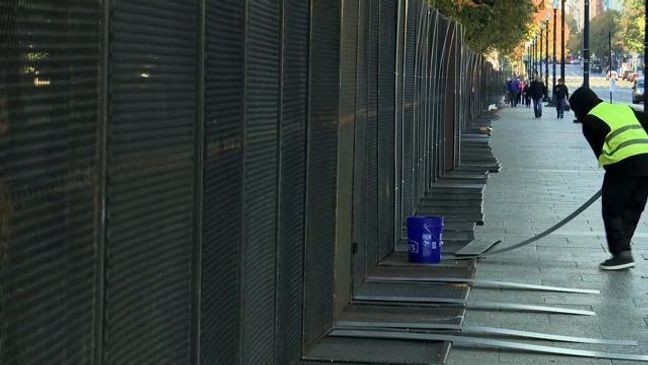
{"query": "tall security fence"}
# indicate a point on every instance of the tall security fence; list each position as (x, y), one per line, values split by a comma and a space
(208, 181)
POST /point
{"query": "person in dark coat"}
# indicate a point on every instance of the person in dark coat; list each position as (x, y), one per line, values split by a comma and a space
(560, 96)
(514, 89)
(618, 135)
(537, 90)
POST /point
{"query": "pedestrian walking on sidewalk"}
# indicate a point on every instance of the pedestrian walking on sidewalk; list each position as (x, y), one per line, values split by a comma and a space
(618, 136)
(537, 90)
(512, 87)
(560, 95)
(519, 92)
(526, 95)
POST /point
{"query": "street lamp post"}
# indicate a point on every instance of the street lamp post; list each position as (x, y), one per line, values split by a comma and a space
(555, 7)
(533, 44)
(586, 55)
(537, 54)
(529, 59)
(612, 81)
(562, 39)
(525, 58)
(547, 55)
(534, 47)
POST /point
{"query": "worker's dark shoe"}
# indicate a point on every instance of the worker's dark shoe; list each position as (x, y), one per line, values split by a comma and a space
(621, 261)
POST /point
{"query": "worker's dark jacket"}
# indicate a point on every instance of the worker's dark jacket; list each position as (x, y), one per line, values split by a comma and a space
(595, 130)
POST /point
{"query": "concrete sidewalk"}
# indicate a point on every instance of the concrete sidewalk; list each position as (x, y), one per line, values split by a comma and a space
(548, 170)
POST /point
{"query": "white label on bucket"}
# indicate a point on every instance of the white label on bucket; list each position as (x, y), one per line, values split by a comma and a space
(413, 247)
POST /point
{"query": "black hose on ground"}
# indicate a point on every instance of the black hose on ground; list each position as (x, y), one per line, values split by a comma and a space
(541, 235)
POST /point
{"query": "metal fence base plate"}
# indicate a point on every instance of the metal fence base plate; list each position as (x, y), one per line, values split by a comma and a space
(400, 258)
(413, 292)
(386, 273)
(377, 351)
(495, 344)
(448, 295)
(447, 316)
(476, 330)
(476, 247)
(421, 276)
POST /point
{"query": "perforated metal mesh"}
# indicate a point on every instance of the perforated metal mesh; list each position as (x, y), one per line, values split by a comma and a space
(162, 190)
(49, 69)
(322, 169)
(360, 166)
(386, 126)
(224, 46)
(291, 193)
(409, 157)
(371, 254)
(150, 191)
(348, 70)
(260, 186)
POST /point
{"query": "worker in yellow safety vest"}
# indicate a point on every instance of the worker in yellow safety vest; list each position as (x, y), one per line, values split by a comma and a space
(618, 136)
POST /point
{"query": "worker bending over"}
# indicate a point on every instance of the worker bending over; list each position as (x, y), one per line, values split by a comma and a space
(618, 136)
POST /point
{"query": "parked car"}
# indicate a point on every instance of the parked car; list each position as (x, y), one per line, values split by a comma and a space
(596, 67)
(638, 90)
(626, 73)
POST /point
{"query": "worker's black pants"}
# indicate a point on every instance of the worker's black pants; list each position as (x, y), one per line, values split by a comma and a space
(624, 198)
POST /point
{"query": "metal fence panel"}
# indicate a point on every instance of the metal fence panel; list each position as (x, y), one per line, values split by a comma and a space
(151, 180)
(221, 262)
(448, 146)
(292, 180)
(343, 246)
(398, 122)
(313, 116)
(360, 229)
(409, 79)
(427, 100)
(371, 255)
(385, 127)
(260, 184)
(322, 169)
(419, 100)
(440, 62)
(49, 82)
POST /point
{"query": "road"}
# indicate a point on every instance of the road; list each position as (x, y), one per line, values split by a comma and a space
(598, 83)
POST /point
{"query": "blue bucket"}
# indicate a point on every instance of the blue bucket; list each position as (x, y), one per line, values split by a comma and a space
(425, 237)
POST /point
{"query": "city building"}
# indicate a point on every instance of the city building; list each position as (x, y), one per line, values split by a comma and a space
(596, 8)
(613, 5)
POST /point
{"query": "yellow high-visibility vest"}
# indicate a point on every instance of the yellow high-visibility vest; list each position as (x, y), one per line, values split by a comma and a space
(626, 138)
